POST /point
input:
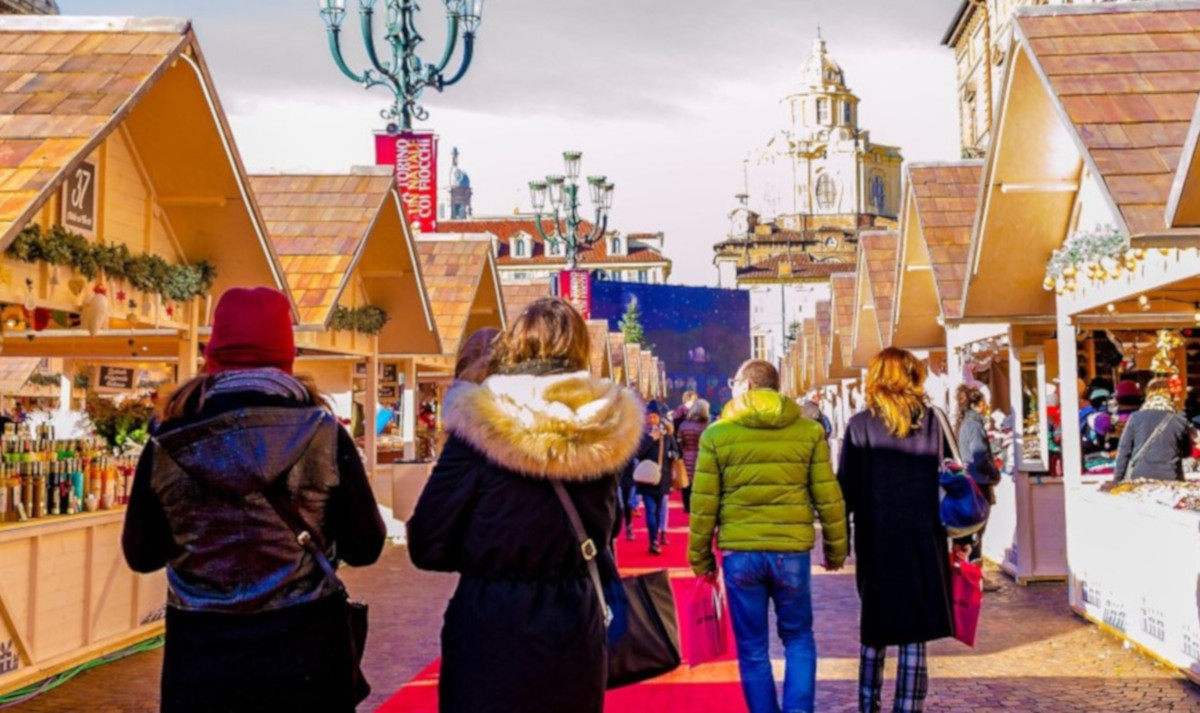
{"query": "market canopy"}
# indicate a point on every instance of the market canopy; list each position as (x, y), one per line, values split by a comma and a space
(1090, 131)
(940, 201)
(74, 83)
(876, 283)
(464, 290)
(345, 247)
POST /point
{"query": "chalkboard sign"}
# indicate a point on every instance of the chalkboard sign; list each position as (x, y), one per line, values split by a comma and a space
(389, 374)
(388, 393)
(79, 199)
(115, 378)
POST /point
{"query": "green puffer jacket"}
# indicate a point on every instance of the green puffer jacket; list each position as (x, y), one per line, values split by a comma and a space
(761, 471)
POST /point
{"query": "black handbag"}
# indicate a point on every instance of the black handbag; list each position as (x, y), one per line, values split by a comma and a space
(355, 612)
(648, 643)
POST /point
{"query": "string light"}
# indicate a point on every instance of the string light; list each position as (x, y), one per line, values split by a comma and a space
(1111, 308)
(1144, 303)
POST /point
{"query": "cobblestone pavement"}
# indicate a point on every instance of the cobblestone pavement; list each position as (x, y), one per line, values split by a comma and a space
(1033, 655)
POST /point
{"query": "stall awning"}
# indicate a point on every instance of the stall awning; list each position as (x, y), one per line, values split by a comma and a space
(464, 290)
(939, 209)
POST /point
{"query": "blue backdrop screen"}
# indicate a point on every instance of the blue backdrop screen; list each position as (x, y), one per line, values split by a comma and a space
(703, 333)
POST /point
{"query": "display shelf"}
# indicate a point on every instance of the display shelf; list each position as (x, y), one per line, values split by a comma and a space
(57, 523)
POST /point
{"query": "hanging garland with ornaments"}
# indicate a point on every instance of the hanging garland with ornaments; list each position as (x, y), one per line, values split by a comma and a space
(366, 319)
(143, 272)
(1101, 254)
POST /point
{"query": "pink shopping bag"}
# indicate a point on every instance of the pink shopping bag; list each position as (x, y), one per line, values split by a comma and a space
(706, 628)
(966, 586)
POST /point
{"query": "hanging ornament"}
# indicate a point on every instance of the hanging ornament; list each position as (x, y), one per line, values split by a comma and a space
(95, 311)
(30, 298)
(170, 310)
(1071, 285)
(1069, 271)
(120, 295)
(1164, 251)
(54, 277)
(41, 319)
(1049, 284)
(132, 316)
(5, 276)
(1164, 358)
(76, 285)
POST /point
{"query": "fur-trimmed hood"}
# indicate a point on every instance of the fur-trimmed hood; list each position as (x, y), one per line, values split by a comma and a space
(569, 427)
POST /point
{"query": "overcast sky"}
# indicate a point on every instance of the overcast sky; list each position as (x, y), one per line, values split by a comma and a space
(665, 98)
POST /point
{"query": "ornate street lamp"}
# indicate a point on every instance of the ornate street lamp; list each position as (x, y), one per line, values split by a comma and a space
(563, 194)
(405, 73)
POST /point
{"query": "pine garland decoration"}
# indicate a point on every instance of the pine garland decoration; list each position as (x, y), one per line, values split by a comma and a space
(40, 379)
(365, 320)
(1087, 247)
(144, 272)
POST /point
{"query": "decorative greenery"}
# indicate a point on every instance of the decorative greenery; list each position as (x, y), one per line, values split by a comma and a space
(793, 331)
(366, 319)
(144, 272)
(82, 380)
(39, 379)
(120, 424)
(1100, 253)
(631, 325)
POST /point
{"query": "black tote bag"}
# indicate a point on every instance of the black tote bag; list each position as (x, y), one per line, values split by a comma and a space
(646, 644)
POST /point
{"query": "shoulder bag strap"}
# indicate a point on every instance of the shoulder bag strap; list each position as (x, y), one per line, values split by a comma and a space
(309, 538)
(948, 435)
(662, 442)
(1137, 457)
(586, 545)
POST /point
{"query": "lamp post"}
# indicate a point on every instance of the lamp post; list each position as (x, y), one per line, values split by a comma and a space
(406, 74)
(563, 193)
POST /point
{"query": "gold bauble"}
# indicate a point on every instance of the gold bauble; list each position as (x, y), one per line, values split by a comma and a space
(1049, 284)
(1071, 284)
(1131, 264)
(1164, 251)
(1139, 253)
(1069, 271)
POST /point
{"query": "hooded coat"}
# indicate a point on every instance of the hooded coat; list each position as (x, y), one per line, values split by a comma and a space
(524, 631)
(762, 477)
(252, 622)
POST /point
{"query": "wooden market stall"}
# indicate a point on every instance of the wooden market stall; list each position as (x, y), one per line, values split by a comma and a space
(519, 295)
(352, 270)
(600, 356)
(841, 352)
(616, 352)
(124, 211)
(1127, 276)
(633, 366)
(875, 279)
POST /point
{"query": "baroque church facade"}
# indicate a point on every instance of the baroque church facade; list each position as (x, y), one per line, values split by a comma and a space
(811, 190)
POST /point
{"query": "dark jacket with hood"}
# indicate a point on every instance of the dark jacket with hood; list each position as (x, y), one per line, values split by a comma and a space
(242, 591)
(524, 631)
(648, 449)
(976, 449)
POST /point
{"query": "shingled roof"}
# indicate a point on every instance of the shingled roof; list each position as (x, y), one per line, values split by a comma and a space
(1127, 77)
(64, 86)
(453, 272)
(802, 268)
(318, 224)
(843, 286)
(947, 196)
(881, 251)
(519, 295)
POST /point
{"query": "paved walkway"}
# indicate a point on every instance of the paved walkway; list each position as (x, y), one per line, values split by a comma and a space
(1034, 656)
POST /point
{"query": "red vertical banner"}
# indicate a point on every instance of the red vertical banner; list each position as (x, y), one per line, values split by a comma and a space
(575, 286)
(413, 154)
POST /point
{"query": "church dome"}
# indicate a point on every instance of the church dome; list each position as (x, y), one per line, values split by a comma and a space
(820, 69)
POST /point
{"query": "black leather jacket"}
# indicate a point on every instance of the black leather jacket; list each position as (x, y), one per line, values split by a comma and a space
(197, 505)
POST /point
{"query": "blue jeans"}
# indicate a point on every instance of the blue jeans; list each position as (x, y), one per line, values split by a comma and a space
(653, 523)
(752, 581)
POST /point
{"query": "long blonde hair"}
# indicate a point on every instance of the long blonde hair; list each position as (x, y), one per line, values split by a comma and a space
(895, 390)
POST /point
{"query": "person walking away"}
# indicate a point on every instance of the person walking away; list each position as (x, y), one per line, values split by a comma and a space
(680, 414)
(1156, 439)
(253, 622)
(812, 411)
(890, 476)
(980, 462)
(657, 446)
(1095, 422)
(761, 471)
(688, 437)
(524, 630)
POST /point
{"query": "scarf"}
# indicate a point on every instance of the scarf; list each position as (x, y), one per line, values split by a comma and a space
(271, 382)
(1159, 402)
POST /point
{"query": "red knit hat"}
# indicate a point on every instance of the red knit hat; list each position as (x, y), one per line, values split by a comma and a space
(252, 329)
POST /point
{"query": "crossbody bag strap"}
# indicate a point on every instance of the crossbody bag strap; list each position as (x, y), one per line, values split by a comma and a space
(1137, 457)
(948, 435)
(308, 537)
(587, 546)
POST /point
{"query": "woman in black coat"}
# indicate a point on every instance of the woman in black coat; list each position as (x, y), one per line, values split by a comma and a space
(524, 631)
(890, 480)
(1158, 435)
(657, 441)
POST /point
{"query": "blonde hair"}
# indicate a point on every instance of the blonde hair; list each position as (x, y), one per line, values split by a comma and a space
(475, 355)
(1159, 386)
(550, 331)
(895, 390)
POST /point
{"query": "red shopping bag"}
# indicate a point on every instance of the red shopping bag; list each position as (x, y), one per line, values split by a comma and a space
(966, 586)
(706, 628)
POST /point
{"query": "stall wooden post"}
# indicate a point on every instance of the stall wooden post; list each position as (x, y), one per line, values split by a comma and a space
(411, 403)
(370, 414)
(189, 344)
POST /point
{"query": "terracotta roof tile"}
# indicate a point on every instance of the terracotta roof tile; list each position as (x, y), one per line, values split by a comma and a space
(507, 228)
(598, 338)
(53, 97)
(451, 272)
(803, 268)
(616, 347)
(946, 197)
(1128, 78)
(882, 252)
(844, 284)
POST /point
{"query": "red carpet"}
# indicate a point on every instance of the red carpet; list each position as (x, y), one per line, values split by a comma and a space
(711, 688)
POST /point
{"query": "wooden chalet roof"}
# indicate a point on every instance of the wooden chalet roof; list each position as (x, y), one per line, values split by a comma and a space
(318, 225)
(633, 364)
(881, 251)
(947, 196)
(453, 272)
(799, 267)
(599, 355)
(65, 83)
(519, 295)
(810, 353)
(843, 284)
(1127, 77)
(824, 339)
(616, 348)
